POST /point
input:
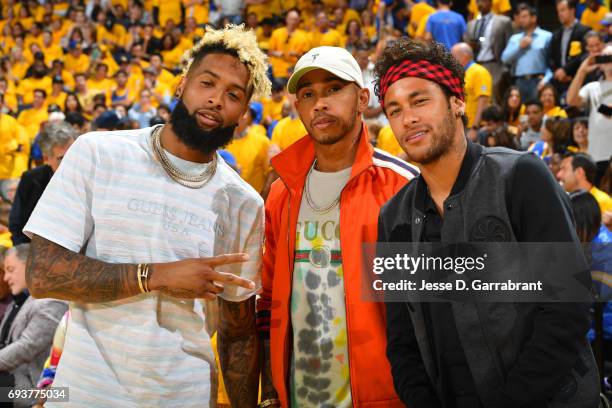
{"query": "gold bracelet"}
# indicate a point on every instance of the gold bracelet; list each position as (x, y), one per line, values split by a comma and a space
(268, 402)
(145, 276)
(139, 274)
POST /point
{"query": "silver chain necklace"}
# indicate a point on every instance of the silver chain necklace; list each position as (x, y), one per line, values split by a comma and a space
(187, 180)
(310, 201)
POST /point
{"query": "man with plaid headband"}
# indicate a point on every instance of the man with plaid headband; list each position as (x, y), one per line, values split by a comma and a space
(467, 354)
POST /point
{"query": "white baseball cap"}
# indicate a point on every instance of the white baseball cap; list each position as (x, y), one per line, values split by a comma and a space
(336, 60)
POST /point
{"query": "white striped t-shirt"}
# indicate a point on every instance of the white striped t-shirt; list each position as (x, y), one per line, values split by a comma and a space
(112, 197)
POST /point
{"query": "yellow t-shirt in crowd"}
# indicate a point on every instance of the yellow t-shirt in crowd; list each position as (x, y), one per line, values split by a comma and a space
(288, 131)
(478, 82)
(60, 32)
(76, 64)
(31, 120)
(5, 239)
(370, 32)
(593, 19)
(19, 68)
(299, 43)
(29, 40)
(167, 78)
(172, 58)
(197, 11)
(68, 79)
(386, 141)
(168, 10)
(265, 9)
(420, 31)
(27, 23)
(556, 111)
(251, 153)
(10, 96)
(135, 79)
(417, 14)
(103, 86)
(349, 15)
(22, 158)
(603, 199)
(272, 109)
(163, 90)
(130, 94)
(53, 52)
(497, 7)
(27, 86)
(9, 142)
(262, 40)
(105, 36)
(6, 44)
(330, 38)
(59, 99)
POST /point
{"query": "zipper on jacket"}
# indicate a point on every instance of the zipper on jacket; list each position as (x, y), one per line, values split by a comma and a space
(346, 307)
(288, 355)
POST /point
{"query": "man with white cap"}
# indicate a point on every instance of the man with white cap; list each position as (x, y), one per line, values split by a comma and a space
(323, 345)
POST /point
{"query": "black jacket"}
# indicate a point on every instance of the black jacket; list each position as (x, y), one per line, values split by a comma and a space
(519, 354)
(33, 183)
(578, 33)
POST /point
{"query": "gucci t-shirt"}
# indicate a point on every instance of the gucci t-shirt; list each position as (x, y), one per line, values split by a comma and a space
(320, 375)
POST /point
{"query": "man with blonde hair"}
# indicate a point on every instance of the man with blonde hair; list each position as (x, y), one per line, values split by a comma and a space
(155, 221)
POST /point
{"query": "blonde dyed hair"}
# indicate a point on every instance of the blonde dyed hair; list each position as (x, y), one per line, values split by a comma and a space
(244, 43)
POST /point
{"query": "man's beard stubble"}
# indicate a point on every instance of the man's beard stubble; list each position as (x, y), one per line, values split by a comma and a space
(186, 128)
(345, 128)
(441, 141)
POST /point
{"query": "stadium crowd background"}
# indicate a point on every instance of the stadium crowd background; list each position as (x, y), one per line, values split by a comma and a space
(115, 64)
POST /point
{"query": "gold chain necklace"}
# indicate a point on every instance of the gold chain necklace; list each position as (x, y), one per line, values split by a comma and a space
(310, 201)
(187, 180)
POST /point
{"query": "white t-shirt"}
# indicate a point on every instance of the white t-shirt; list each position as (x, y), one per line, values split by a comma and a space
(320, 375)
(600, 127)
(113, 198)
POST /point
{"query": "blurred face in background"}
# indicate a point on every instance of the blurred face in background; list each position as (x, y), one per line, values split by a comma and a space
(292, 20)
(121, 79)
(71, 103)
(363, 58)
(322, 21)
(534, 116)
(145, 99)
(547, 98)
(514, 99)
(4, 288)
(565, 13)
(594, 45)
(567, 175)
(39, 100)
(580, 133)
(14, 274)
(526, 20)
(484, 6)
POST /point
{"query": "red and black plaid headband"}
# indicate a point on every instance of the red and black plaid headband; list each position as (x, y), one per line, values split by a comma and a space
(421, 69)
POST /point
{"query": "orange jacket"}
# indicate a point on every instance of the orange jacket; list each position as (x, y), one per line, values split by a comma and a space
(375, 177)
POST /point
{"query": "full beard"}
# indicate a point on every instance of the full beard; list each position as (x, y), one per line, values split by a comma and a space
(186, 128)
(441, 141)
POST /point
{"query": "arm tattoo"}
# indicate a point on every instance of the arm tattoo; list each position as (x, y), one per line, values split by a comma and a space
(55, 272)
(238, 351)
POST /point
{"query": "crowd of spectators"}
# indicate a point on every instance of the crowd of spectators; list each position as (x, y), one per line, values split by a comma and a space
(69, 67)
